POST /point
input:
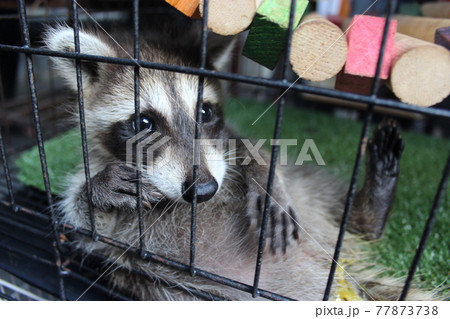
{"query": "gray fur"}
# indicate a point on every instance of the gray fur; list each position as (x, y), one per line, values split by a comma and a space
(297, 261)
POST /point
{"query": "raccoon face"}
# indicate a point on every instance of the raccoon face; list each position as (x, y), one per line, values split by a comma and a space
(164, 145)
(164, 148)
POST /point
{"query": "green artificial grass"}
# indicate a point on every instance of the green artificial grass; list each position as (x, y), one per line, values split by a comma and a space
(63, 154)
(337, 139)
(422, 165)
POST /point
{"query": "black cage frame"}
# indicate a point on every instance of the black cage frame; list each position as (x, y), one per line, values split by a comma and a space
(282, 84)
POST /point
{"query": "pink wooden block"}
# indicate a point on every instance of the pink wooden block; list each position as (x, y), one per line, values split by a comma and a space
(364, 42)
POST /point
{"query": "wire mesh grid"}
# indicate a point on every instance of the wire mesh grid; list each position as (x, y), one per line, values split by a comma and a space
(62, 276)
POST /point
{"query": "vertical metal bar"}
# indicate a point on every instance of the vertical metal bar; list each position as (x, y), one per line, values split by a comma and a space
(390, 11)
(358, 161)
(428, 228)
(287, 50)
(198, 127)
(76, 34)
(40, 142)
(6, 170)
(137, 112)
(3, 103)
(274, 154)
(51, 74)
(4, 158)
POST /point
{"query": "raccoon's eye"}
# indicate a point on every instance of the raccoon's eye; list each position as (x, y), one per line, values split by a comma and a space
(144, 124)
(207, 112)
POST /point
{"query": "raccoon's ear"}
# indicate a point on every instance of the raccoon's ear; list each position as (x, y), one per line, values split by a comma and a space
(61, 38)
(220, 49)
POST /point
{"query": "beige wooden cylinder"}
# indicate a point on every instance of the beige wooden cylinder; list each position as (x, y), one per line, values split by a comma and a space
(319, 49)
(436, 9)
(420, 71)
(231, 16)
(420, 27)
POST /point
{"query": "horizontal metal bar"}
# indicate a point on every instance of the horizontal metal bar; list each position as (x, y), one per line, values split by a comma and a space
(393, 104)
(67, 273)
(107, 262)
(18, 208)
(174, 264)
(25, 228)
(27, 255)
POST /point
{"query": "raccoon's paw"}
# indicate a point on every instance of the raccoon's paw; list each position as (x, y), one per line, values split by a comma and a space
(116, 187)
(385, 149)
(282, 224)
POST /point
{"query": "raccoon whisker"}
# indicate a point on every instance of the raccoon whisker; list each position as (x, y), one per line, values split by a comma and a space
(234, 158)
(230, 152)
(234, 173)
(176, 206)
(237, 190)
(159, 201)
(234, 177)
(113, 270)
(170, 204)
(230, 155)
(234, 170)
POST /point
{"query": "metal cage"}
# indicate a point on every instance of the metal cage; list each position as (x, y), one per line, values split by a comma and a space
(37, 219)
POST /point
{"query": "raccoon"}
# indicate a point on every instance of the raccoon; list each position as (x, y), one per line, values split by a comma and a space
(305, 207)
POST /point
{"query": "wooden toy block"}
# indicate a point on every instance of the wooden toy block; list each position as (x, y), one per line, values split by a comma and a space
(187, 7)
(354, 83)
(420, 71)
(436, 10)
(346, 9)
(364, 43)
(336, 20)
(267, 37)
(229, 17)
(319, 49)
(420, 27)
(442, 37)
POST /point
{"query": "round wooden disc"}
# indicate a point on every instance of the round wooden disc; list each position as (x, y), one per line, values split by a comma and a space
(229, 17)
(421, 76)
(319, 50)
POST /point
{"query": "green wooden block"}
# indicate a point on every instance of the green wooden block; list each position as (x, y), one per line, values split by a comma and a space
(267, 37)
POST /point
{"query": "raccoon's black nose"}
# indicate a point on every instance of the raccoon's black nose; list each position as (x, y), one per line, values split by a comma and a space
(205, 191)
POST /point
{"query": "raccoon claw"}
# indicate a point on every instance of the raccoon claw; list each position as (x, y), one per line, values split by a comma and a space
(115, 187)
(147, 205)
(282, 225)
(385, 149)
(157, 196)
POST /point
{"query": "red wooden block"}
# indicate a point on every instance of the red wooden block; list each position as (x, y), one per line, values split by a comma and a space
(364, 42)
(354, 83)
